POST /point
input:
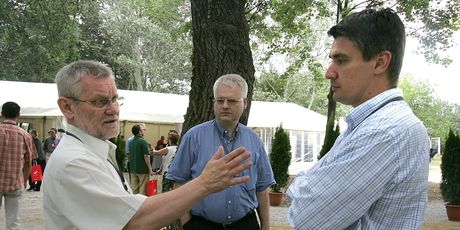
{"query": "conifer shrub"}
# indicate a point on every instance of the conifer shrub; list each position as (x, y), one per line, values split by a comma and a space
(450, 169)
(280, 158)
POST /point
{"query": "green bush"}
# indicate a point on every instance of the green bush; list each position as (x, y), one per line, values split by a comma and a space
(450, 168)
(329, 138)
(120, 151)
(280, 158)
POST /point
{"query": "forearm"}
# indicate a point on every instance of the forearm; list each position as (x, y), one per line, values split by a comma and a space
(187, 215)
(264, 209)
(160, 152)
(160, 210)
(147, 162)
(26, 171)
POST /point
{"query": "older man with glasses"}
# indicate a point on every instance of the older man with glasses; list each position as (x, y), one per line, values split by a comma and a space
(83, 187)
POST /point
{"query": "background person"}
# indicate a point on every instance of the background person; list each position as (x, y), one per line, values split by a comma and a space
(16, 154)
(50, 143)
(233, 208)
(376, 174)
(83, 188)
(139, 159)
(41, 160)
(167, 155)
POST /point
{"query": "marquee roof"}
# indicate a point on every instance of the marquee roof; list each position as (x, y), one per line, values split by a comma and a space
(39, 99)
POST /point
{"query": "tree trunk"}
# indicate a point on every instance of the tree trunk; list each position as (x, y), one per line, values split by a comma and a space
(220, 46)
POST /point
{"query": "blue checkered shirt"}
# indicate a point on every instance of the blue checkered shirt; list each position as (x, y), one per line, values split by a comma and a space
(374, 177)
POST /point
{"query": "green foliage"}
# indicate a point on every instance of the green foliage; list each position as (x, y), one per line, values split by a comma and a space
(303, 89)
(450, 168)
(37, 38)
(329, 138)
(280, 158)
(120, 151)
(437, 115)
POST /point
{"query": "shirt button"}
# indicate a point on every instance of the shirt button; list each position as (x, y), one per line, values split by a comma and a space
(229, 201)
(229, 217)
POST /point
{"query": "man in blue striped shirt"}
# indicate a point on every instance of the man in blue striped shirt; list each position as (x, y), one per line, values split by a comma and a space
(376, 174)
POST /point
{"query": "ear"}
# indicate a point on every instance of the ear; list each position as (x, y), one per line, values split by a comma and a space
(245, 103)
(66, 107)
(382, 62)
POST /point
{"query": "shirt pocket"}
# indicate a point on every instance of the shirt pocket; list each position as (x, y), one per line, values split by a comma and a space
(251, 172)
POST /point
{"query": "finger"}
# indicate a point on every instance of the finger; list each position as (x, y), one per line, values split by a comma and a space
(219, 154)
(240, 168)
(239, 180)
(238, 159)
(235, 153)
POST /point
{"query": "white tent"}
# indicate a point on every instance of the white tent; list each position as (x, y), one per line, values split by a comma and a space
(39, 99)
(306, 127)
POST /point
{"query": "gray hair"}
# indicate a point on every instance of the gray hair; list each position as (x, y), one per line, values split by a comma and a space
(68, 77)
(232, 80)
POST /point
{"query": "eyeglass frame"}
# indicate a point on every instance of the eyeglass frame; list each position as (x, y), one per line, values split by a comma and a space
(230, 101)
(103, 102)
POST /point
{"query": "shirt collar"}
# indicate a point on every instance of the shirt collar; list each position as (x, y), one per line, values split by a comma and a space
(11, 122)
(360, 113)
(222, 131)
(104, 149)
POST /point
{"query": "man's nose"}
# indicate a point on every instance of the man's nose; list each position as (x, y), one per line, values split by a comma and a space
(330, 74)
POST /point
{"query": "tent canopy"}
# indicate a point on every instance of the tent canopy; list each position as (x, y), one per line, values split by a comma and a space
(39, 99)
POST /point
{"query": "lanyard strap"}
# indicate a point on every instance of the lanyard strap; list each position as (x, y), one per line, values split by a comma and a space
(399, 98)
(116, 168)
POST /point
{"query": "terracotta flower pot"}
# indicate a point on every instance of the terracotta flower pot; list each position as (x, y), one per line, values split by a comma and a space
(275, 198)
(453, 212)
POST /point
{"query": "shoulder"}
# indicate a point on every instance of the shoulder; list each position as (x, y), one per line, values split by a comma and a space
(200, 130)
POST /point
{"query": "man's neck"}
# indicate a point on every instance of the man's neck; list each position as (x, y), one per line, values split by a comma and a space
(230, 128)
(10, 121)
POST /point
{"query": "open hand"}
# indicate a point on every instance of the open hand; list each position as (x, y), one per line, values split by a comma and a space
(219, 173)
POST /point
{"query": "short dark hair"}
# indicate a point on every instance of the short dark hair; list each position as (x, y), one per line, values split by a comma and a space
(375, 31)
(136, 129)
(10, 110)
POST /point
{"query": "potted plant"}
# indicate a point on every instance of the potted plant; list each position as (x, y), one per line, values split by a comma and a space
(450, 169)
(280, 159)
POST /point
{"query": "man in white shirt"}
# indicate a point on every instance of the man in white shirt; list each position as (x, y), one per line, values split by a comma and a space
(83, 187)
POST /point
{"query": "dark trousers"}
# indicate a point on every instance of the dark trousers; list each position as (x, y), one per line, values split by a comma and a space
(248, 222)
(36, 185)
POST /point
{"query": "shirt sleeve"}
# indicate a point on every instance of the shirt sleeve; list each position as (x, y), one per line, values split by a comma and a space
(31, 152)
(344, 187)
(264, 171)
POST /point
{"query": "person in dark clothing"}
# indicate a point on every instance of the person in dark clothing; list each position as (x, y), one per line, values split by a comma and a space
(41, 160)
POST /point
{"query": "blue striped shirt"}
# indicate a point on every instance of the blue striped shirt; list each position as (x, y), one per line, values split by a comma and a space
(374, 177)
(197, 147)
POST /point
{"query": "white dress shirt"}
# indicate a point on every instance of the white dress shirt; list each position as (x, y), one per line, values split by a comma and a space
(82, 189)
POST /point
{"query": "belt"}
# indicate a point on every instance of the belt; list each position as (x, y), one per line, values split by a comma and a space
(232, 224)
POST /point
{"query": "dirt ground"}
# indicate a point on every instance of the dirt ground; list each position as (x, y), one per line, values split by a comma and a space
(32, 212)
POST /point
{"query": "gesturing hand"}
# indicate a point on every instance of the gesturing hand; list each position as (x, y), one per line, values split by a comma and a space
(219, 173)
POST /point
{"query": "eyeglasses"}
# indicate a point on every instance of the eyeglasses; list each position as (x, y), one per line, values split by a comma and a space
(102, 102)
(221, 101)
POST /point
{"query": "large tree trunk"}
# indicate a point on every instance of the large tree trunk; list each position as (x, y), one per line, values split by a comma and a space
(220, 46)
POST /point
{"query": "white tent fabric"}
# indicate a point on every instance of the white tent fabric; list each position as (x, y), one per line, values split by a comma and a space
(39, 99)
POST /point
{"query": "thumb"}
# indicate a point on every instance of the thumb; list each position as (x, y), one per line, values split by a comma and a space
(219, 154)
